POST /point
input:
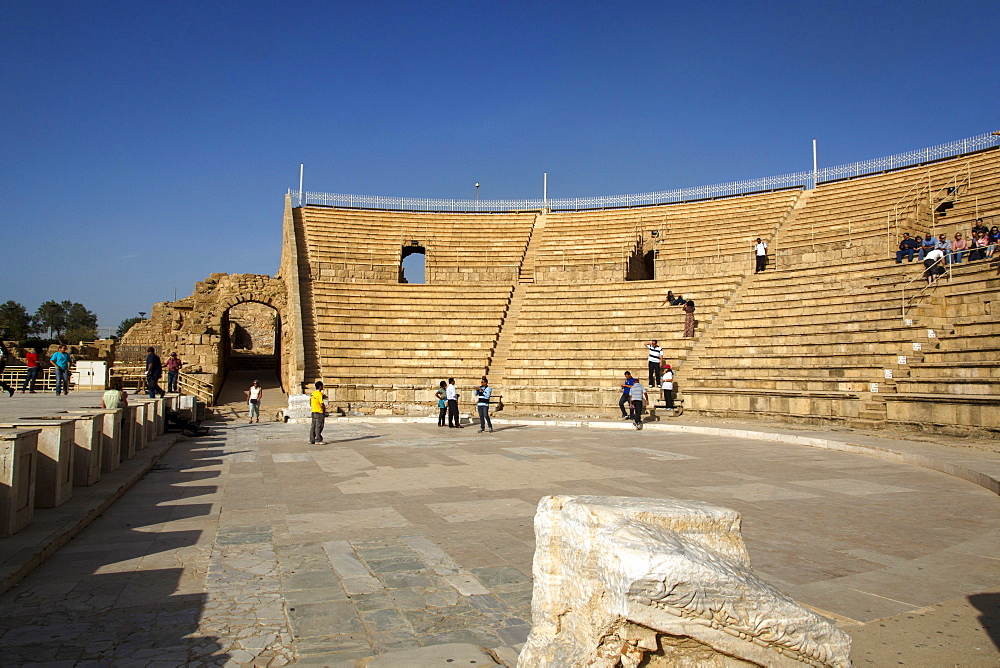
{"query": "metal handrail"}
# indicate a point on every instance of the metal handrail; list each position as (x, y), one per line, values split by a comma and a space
(804, 179)
(195, 386)
(924, 187)
(45, 381)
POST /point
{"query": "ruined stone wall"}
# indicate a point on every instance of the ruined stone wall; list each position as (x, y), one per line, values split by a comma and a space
(196, 326)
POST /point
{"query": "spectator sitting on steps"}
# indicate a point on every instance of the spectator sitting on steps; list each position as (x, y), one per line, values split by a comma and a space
(907, 247)
(674, 300)
(977, 246)
(928, 244)
(958, 248)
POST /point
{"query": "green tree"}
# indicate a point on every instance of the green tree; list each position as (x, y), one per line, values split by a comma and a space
(78, 317)
(76, 334)
(126, 325)
(50, 316)
(15, 323)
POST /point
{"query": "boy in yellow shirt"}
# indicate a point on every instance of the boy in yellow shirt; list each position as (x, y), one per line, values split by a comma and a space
(317, 404)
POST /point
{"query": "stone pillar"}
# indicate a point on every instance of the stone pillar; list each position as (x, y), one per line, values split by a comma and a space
(18, 461)
(111, 434)
(126, 449)
(88, 440)
(138, 425)
(154, 408)
(54, 469)
(162, 406)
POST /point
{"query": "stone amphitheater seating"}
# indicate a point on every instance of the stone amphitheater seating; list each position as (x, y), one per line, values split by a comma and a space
(385, 334)
(355, 245)
(540, 300)
(802, 342)
(577, 246)
(955, 380)
(571, 345)
(857, 215)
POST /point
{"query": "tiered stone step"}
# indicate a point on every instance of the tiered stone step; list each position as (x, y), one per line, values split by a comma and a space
(805, 341)
(406, 335)
(577, 244)
(571, 344)
(350, 244)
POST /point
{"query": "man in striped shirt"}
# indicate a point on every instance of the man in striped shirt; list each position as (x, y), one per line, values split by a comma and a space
(655, 355)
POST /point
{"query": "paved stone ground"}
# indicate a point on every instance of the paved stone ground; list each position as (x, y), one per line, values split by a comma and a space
(252, 546)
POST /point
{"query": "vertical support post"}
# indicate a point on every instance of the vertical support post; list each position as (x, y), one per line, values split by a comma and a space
(888, 233)
(302, 167)
(545, 190)
(815, 166)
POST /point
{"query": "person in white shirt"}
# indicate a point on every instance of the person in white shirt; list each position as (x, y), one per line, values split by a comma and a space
(933, 265)
(452, 395)
(760, 248)
(254, 396)
(668, 386)
(655, 355)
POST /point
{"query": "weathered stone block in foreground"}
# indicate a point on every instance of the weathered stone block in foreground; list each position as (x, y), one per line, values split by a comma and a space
(299, 410)
(620, 581)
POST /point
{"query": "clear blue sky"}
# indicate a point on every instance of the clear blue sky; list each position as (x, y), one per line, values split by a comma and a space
(145, 145)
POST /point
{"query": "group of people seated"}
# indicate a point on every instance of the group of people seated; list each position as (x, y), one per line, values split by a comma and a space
(981, 245)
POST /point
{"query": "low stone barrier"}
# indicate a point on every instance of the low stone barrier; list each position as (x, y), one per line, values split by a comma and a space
(54, 469)
(126, 446)
(138, 413)
(111, 437)
(18, 467)
(88, 440)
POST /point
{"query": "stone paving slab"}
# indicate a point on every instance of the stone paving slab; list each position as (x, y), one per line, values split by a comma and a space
(399, 536)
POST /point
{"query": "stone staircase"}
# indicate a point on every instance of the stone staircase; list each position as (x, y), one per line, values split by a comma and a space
(496, 364)
(526, 270)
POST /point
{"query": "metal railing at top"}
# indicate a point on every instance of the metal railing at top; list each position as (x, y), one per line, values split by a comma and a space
(806, 179)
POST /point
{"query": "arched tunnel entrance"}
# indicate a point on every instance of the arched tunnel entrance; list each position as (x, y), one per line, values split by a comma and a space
(251, 350)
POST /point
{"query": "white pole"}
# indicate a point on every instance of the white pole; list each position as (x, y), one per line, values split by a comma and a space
(545, 190)
(302, 167)
(815, 170)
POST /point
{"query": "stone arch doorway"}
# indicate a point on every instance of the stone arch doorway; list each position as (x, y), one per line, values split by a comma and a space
(200, 328)
(413, 264)
(251, 338)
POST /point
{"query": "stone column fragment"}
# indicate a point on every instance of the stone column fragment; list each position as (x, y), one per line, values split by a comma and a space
(625, 582)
